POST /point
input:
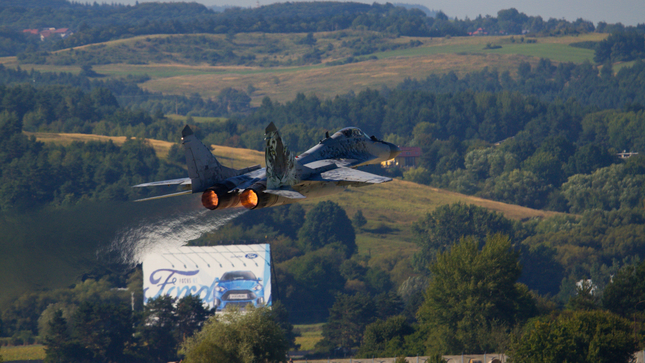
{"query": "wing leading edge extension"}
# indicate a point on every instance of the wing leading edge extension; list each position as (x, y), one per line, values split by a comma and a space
(350, 175)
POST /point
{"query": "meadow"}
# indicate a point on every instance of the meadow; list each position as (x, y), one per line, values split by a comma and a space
(310, 334)
(23, 353)
(173, 73)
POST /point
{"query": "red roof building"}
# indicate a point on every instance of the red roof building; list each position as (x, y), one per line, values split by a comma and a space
(479, 31)
(46, 32)
(408, 158)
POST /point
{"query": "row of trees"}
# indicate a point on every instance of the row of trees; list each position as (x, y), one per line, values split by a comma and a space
(127, 94)
(600, 87)
(474, 304)
(555, 252)
(316, 256)
(551, 146)
(33, 175)
(104, 332)
(472, 298)
(114, 22)
(256, 50)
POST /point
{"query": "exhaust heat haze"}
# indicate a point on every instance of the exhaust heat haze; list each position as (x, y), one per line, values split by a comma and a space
(134, 243)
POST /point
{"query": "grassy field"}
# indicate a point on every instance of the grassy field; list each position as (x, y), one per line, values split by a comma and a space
(161, 147)
(197, 119)
(309, 335)
(556, 49)
(176, 75)
(27, 352)
(436, 56)
(228, 156)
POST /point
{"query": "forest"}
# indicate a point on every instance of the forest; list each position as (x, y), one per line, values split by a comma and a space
(545, 139)
(566, 287)
(560, 156)
(100, 23)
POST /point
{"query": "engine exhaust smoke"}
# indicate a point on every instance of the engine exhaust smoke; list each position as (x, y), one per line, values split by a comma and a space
(132, 244)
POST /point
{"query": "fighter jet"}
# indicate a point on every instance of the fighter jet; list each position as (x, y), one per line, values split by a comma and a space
(325, 169)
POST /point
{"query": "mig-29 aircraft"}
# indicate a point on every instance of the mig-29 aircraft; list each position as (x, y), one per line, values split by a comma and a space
(322, 170)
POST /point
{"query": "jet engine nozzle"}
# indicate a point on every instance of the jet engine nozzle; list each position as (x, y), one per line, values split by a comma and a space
(249, 198)
(255, 197)
(218, 197)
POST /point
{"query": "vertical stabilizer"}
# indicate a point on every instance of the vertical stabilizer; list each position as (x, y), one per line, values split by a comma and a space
(281, 163)
(203, 168)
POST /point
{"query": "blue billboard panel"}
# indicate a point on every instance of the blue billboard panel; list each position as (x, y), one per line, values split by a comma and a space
(222, 276)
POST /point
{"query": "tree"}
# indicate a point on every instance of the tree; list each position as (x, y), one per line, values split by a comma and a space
(411, 292)
(545, 166)
(518, 187)
(471, 292)
(105, 330)
(60, 347)
(190, 316)
(158, 328)
(327, 224)
(620, 46)
(626, 293)
(235, 337)
(437, 231)
(489, 162)
(348, 318)
(589, 158)
(309, 283)
(585, 297)
(419, 175)
(385, 338)
(581, 336)
(281, 317)
(607, 188)
(359, 221)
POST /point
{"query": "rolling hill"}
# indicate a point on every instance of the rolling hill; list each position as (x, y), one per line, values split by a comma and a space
(273, 63)
(55, 246)
(402, 207)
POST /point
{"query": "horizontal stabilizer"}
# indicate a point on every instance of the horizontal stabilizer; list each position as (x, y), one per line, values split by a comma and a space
(287, 193)
(351, 175)
(180, 181)
(165, 196)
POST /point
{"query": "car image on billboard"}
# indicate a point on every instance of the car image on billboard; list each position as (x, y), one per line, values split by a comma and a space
(238, 288)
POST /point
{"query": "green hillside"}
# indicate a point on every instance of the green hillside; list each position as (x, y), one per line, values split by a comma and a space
(54, 247)
(280, 65)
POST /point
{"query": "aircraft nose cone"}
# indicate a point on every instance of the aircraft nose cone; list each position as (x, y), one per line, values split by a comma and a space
(394, 151)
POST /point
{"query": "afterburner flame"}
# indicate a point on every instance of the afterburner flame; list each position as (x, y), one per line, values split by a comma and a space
(249, 199)
(210, 200)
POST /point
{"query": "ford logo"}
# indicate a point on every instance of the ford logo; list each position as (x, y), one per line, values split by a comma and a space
(251, 255)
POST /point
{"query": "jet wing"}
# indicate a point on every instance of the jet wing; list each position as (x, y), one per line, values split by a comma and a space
(180, 181)
(165, 196)
(350, 175)
(285, 192)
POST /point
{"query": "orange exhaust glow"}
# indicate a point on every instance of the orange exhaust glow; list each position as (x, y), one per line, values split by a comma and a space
(210, 200)
(249, 199)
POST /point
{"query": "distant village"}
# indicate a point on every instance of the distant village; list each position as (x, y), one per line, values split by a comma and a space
(47, 32)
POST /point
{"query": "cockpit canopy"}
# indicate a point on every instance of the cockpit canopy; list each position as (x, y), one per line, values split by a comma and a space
(348, 132)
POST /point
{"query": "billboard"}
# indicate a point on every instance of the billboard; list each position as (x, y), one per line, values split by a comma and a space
(234, 275)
